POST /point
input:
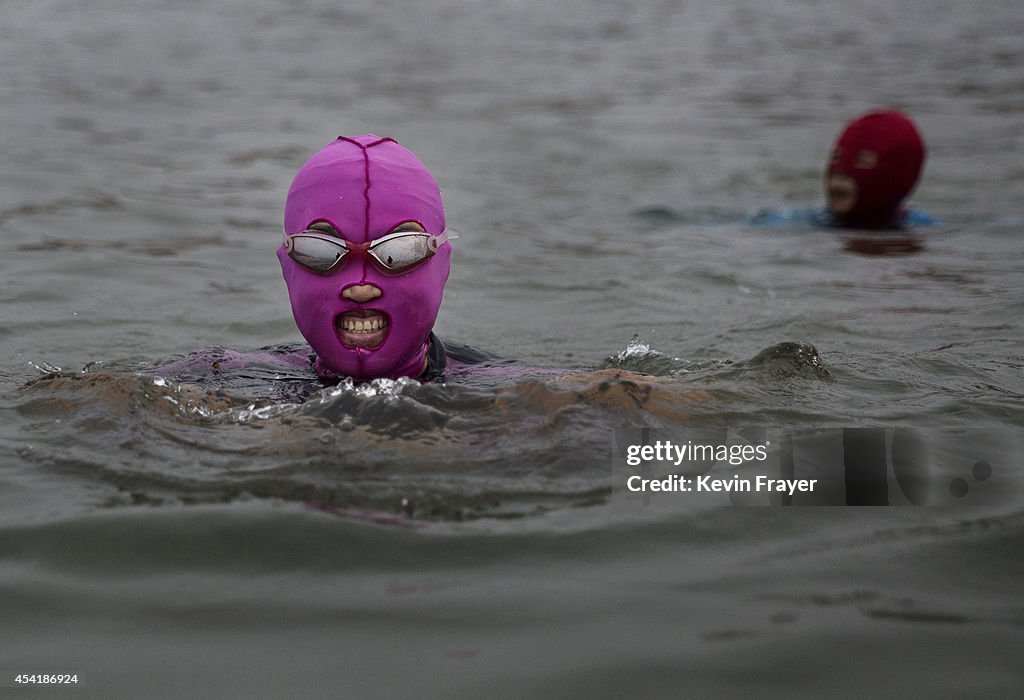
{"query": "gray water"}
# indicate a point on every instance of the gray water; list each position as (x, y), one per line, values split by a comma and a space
(476, 539)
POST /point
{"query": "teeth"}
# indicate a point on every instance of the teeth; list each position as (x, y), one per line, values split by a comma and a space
(363, 325)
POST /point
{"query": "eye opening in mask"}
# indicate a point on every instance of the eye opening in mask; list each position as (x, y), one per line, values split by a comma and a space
(865, 160)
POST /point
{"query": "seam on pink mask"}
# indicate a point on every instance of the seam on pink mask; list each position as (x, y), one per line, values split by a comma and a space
(366, 176)
(360, 353)
(366, 186)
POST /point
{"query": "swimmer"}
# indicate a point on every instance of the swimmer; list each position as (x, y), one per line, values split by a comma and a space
(874, 166)
(366, 255)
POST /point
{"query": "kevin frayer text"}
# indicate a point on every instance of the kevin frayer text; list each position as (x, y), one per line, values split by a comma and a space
(707, 483)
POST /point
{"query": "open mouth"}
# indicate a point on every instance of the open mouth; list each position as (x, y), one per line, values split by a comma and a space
(362, 329)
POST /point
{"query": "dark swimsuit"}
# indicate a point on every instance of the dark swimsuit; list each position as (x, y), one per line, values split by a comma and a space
(439, 352)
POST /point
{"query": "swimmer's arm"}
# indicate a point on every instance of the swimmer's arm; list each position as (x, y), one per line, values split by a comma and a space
(628, 392)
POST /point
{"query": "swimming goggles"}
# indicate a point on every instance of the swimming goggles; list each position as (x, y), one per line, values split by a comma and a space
(392, 254)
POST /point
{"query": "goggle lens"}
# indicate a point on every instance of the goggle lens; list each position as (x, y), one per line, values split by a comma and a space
(317, 254)
(402, 252)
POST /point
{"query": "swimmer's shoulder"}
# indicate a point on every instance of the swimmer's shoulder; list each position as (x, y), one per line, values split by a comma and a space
(216, 359)
(297, 355)
(793, 218)
(918, 218)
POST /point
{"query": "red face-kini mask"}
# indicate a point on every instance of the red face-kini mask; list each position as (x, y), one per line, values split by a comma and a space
(883, 154)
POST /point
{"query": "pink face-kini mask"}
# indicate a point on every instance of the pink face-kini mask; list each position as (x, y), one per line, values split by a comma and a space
(882, 151)
(365, 188)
